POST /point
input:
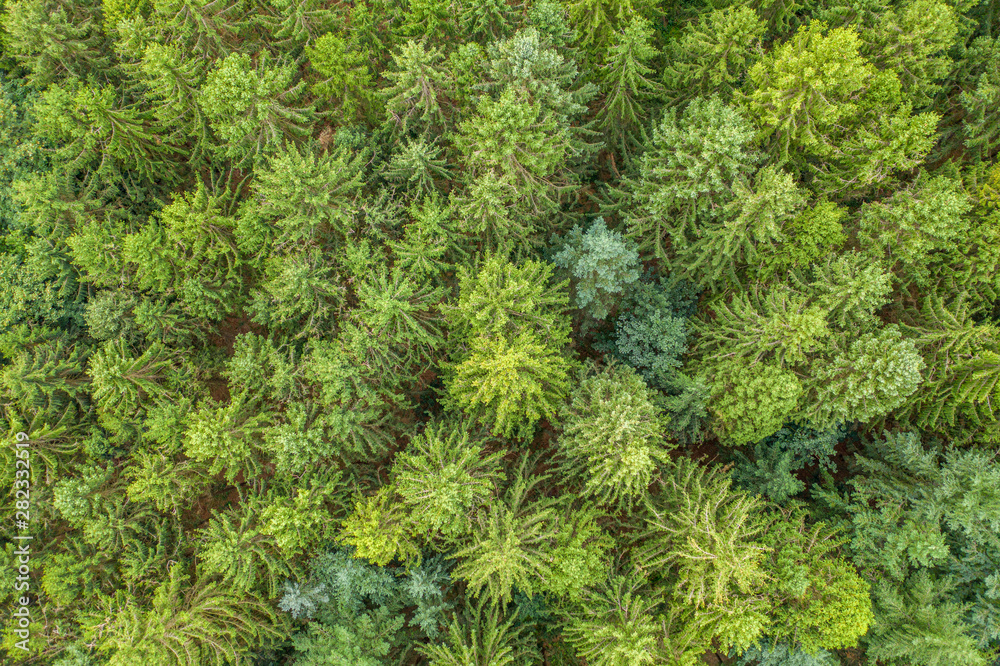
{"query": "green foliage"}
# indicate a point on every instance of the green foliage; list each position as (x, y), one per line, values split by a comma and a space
(916, 623)
(602, 264)
(614, 625)
(752, 402)
(445, 480)
(810, 87)
(707, 533)
(506, 299)
(689, 171)
(253, 109)
(479, 637)
(612, 435)
(509, 385)
(225, 438)
(186, 624)
(867, 379)
(380, 529)
(417, 82)
(915, 226)
(771, 471)
(281, 276)
(819, 602)
(713, 53)
(527, 542)
(626, 82)
(345, 77)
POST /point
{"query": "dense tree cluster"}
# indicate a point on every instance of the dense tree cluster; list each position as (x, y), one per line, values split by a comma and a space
(488, 333)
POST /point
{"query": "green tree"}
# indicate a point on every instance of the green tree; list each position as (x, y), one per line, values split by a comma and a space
(445, 479)
(505, 299)
(867, 378)
(480, 636)
(509, 385)
(612, 435)
(519, 144)
(626, 84)
(183, 624)
(123, 382)
(53, 40)
(344, 75)
(415, 94)
(917, 624)
(752, 401)
(713, 53)
(253, 109)
(603, 264)
(819, 602)
(707, 533)
(914, 41)
(615, 625)
(688, 172)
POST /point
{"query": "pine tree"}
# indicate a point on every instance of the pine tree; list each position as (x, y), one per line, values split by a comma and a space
(295, 24)
(799, 95)
(506, 299)
(915, 622)
(345, 77)
(626, 83)
(381, 529)
(305, 197)
(520, 144)
(819, 602)
(612, 435)
(243, 557)
(915, 226)
(752, 227)
(95, 130)
(867, 378)
(509, 385)
(122, 381)
(225, 438)
(914, 41)
(419, 165)
(253, 109)
(54, 40)
(445, 479)
(603, 264)
(751, 401)
(688, 172)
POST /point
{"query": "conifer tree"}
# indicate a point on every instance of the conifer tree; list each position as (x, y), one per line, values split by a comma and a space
(707, 533)
(253, 109)
(689, 171)
(480, 636)
(626, 84)
(445, 479)
(713, 53)
(185, 624)
(602, 262)
(612, 435)
(615, 624)
(414, 98)
(510, 384)
(344, 75)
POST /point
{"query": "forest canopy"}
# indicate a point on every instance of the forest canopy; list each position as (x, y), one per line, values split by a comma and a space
(500, 333)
